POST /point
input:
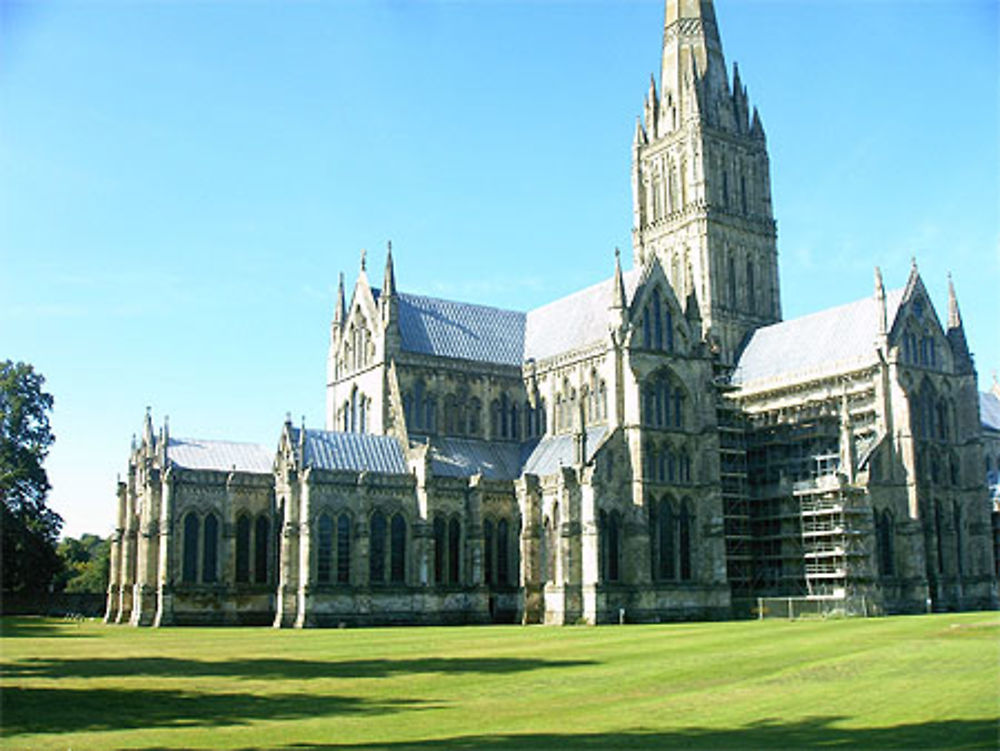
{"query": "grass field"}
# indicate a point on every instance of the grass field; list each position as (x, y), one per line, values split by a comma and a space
(913, 682)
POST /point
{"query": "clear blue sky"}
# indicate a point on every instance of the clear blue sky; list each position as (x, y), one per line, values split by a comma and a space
(180, 182)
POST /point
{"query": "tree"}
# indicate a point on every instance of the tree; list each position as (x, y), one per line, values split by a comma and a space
(86, 564)
(29, 528)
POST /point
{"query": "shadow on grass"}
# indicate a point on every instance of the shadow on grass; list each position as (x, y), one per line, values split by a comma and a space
(38, 627)
(45, 710)
(270, 668)
(811, 733)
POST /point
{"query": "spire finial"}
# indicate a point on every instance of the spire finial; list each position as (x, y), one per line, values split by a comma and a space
(954, 316)
(618, 288)
(340, 310)
(363, 254)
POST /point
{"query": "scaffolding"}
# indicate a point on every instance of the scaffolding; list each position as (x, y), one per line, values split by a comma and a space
(811, 528)
(837, 533)
(735, 501)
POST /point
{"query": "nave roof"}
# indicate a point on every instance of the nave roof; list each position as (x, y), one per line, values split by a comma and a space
(356, 452)
(575, 320)
(221, 456)
(464, 331)
(481, 333)
(812, 346)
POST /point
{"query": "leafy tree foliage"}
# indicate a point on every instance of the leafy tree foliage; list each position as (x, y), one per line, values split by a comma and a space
(29, 527)
(86, 564)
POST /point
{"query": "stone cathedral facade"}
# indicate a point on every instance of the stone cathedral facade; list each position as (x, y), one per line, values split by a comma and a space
(658, 446)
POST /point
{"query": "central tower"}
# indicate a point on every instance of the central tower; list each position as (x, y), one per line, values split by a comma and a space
(701, 186)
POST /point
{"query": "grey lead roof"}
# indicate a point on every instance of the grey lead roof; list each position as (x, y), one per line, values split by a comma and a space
(463, 331)
(553, 452)
(222, 456)
(989, 410)
(464, 457)
(355, 452)
(815, 345)
(575, 320)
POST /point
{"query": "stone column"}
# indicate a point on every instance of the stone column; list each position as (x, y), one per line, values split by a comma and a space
(532, 576)
(288, 571)
(125, 590)
(114, 579)
(166, 563)
(303, 617)
(589, 550)
(147, 553)
(474, 532)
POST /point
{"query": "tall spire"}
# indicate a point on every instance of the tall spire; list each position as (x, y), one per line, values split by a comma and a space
(618, 285)
(954, 316)
(340, 309)
(956, 331)
(881, 313)
(690, 27)
(389, 283)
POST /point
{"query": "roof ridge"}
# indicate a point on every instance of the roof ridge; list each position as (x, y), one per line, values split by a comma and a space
(414, 295)
(590, 288)
(825, 311)
(188, 439)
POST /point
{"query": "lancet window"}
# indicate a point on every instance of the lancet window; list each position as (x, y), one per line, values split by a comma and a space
(658, 324)
(609, 530)
(200, 548)
(420, 408)
(670, 540)
(333, 555)
(662, 402)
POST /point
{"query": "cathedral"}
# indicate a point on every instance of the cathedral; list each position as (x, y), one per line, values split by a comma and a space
(659, 446)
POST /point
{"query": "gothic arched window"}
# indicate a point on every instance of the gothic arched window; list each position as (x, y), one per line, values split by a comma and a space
(210, 550)
(324, 548)
(376, 548)
(262, 533)
(439, 550)
(189, 569)
(454, 551)
(397, 561)
(665, 535)
(684, 541)
(489, 552)
(614, 546)
(344, 549)
(475, 416)
(503, 553)
(243, 549)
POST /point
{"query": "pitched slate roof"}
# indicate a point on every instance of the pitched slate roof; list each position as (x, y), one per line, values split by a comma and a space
(222, 456)
(355, 452)
(575, 320)
(547, 455)
(815, 345)
(464, 331)
(464, 457)
(989, 410)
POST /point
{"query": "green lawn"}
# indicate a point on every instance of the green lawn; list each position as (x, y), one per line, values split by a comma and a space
(914, 682)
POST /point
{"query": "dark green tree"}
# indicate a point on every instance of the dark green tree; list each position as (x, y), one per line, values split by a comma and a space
(86, 564)
(29, 527)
